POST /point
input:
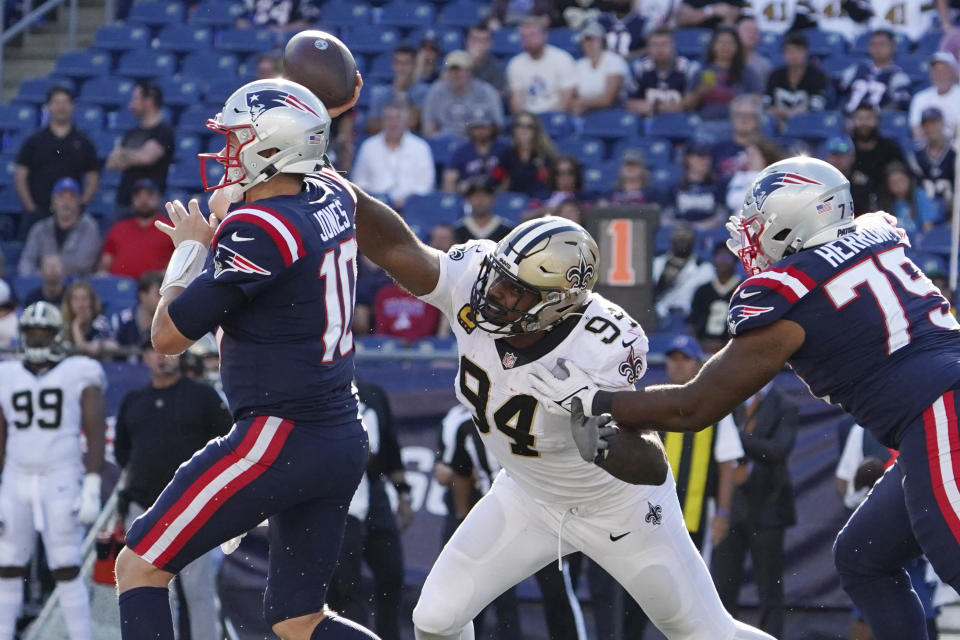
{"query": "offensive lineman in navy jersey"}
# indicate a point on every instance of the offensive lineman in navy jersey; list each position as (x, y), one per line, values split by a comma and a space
(277, 276)
(839, 301)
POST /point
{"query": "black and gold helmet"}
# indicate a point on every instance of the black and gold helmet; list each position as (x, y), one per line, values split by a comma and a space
(552, 259)
(46, 347)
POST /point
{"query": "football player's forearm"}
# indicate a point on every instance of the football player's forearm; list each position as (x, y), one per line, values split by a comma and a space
(639, 457)
(165, 336)
(94, 427)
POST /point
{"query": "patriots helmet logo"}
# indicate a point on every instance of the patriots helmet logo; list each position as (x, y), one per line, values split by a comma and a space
(769, 183)
(742, 312)
(259, 102)
(580, 274)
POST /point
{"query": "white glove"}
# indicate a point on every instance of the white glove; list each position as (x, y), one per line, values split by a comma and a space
(87, 505)
(555, 392)
(590, 434)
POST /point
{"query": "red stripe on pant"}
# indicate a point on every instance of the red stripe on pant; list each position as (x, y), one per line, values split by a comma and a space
(933, 455)
(221, 497)
(197, 486)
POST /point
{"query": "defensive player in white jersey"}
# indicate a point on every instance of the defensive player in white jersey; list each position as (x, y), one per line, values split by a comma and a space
(47, 400)
(529, 299)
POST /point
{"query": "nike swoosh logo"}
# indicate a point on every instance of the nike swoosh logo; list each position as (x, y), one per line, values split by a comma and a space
(749, 295)
(627, 344)
(614, 538)
(236, 238)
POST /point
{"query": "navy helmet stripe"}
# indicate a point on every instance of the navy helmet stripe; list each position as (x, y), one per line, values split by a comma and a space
(533, 229)
(543, 236)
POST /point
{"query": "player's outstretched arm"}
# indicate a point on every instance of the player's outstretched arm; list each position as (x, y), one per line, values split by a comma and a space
(385, 238)
(93, 408)
(734, 374)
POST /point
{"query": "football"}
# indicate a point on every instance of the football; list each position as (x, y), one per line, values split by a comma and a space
(322, 63)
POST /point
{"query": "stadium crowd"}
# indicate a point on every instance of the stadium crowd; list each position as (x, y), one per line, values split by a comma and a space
(474, 117)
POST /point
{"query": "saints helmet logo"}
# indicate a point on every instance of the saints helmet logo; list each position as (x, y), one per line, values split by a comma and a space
(633, 367)
(580, 274)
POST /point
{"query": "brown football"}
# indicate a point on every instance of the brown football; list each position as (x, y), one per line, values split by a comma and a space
(322, 63)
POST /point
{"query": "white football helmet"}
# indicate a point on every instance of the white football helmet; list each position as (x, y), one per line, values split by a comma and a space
(47, 347)
(551, 261)
(793, 204)
(263, 115)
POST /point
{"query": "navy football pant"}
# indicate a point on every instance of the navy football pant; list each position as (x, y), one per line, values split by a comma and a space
(914, 508)
(301, 478)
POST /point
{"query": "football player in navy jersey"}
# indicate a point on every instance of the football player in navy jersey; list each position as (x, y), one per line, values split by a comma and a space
(840, 302)
(277, 276)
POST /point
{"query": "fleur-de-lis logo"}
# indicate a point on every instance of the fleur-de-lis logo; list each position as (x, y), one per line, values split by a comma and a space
(580, 274)
(632, 368)
(655, 514)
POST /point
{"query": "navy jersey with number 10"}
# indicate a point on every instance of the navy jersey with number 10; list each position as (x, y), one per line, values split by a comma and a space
(880, 339)
(279, 282)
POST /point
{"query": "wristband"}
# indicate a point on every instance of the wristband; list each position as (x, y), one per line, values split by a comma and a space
(602, 403)
(185, 265)
(723, 513)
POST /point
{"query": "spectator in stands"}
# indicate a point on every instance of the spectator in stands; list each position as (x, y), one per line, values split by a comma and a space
(873, 152)
(397, 313)
(145, 152)
(512, 13)
(405, 88)
(943, 94)
(278, 15)
(633, 181)
(486, 66)
(796, 87)
(677, 274)
(749, 35)
(131, 326)
(658, 80)
(840, 152)
(135, 246)
(395, 161)
(525, 166)
(52, 285)
(625, 28)
(723, 76)
(540, 78)
(159, 426)
(56, 151)
(426, 67)
(761, 153)
(268, 66)
(480, 222)
(370, 279)
(708, 311)
(451, 100)
(86, 329)
(877, 82)
(599, 73)
(566, 181)
(746, 122)
(933, 160)
(69, 233)
(9, 322)
(914, 209)
(708, 13)
(762, 508)
(571, 210)
(698, 199)
(442, 236)
(478, 156)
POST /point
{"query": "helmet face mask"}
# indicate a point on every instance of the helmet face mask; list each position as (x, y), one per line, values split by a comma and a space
(229, 156)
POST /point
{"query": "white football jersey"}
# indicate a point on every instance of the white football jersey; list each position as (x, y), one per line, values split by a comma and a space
(43, 412)
(534, 446)
(912, 18)
(775, 16)
(830, 15)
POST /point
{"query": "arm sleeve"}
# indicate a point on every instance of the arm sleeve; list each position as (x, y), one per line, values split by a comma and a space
(90, 374)
(121, 437)
(765, 298)
(388, 458)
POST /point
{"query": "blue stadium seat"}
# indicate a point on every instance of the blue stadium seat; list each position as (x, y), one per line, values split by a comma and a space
(207, 66)
(557, 124)
(13, 140)
(917, 67)
(379, 71)
(510, 205)
(25, 285)
(937, 240)
(815, 125)
(246, 41)
(825, 44)
(442, 147)
(147, 64)
(506, 42)
(115, 292)
(185, 175)
(929, 43)
(674, 126)
(587, 151)
(834, 66)
(404, 14)
(565, 39)
(179, 92)
(110, 178)
(181, 38)
(122, 37)
(463, 13)
(371, 40)
(610, 123)
(34, 90)
(105, 141)
(89, 117)
(17, 117)
(769, 44)
(656, 151)
(11, 250)
(156, 14)
(894, 124)
(83, 64)
(345, 14)
(449, 38)
(665, 178)
(692, 43)
(220, 89)
(217, 14)
(423, 212)
(600, 178)
(107, 91)
(214, 171)
(188, 146)
(7, 169)
(194, 118)
(104, 205)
